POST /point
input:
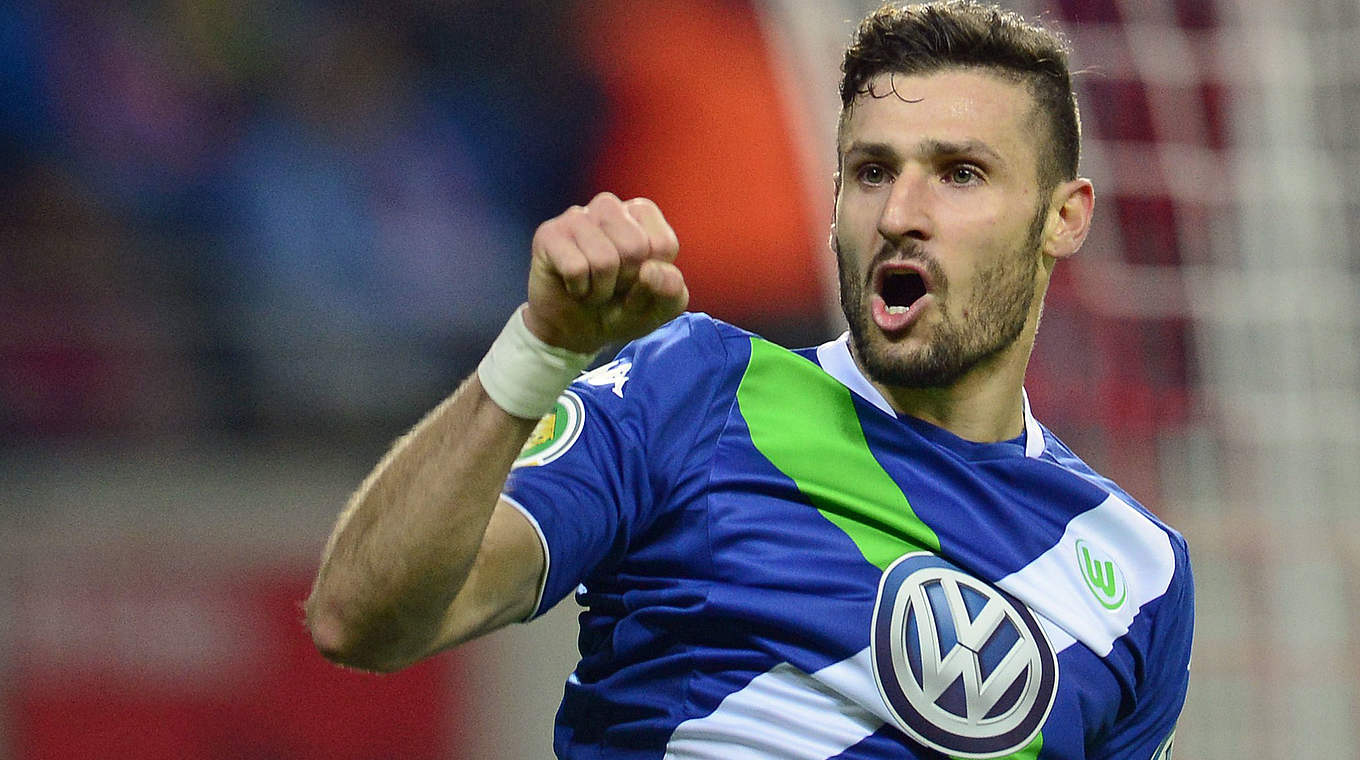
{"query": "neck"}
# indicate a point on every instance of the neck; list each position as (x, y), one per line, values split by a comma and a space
(986, 405)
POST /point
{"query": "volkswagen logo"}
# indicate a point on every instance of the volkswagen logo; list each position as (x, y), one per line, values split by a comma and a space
(963, 667)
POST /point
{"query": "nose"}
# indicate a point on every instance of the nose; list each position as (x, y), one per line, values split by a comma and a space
(906, 211)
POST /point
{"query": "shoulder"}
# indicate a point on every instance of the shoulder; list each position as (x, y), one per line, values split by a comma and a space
(1145, 539)
(1059, 453)
(692, 348)
(691, 333)
(673, 384)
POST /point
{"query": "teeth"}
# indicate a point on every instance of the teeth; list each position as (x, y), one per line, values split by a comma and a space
(897, 309)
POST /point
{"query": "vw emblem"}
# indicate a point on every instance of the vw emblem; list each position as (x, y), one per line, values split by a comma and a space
(963, 667)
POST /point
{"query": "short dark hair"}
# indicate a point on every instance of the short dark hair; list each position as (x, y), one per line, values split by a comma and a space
(925, 38)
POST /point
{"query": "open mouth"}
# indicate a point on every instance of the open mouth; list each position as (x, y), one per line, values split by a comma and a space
(900, 289)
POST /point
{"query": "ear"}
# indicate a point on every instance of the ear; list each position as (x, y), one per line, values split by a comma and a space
(1074, 202)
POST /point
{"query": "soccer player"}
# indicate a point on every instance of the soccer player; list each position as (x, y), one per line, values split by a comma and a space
(866, 549)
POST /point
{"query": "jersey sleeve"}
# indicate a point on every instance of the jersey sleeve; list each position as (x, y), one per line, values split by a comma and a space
(1148, 731)
(599, 468)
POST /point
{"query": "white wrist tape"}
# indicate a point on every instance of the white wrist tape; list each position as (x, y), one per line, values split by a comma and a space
(524, 375)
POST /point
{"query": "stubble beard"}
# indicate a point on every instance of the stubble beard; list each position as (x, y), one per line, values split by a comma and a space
(1002, 295)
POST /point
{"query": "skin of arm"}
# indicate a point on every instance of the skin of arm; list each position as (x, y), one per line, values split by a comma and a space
(426, 555)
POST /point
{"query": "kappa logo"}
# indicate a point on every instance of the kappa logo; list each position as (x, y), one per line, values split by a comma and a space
(963, 667)
(1103, 577)
(555, 432)
(614, 373)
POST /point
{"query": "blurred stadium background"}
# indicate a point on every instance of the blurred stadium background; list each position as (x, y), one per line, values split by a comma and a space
(244, 245)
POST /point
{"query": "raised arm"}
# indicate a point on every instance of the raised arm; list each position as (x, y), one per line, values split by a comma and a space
(425, 555)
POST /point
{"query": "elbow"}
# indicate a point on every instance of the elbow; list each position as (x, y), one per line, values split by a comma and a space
(349, 645)
(330, 636)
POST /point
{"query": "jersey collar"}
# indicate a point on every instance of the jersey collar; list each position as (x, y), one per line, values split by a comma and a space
(835, 358)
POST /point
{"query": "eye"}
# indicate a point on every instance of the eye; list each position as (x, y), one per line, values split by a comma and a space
(964, 174)
(873, 175)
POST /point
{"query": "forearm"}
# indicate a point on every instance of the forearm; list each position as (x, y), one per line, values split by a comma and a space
(404, 544)
(416, 532)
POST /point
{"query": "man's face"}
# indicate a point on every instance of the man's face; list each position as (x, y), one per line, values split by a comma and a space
(939, 223)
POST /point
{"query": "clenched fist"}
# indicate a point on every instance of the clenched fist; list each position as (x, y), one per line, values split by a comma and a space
(603, 274)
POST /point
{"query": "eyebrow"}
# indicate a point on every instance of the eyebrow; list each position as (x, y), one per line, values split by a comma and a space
(928, 147)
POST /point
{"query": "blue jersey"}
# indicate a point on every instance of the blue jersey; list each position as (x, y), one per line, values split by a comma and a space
(773, 564)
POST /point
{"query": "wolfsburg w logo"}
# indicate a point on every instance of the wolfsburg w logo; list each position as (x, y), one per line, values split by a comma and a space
(1102, 576)
(962, 666)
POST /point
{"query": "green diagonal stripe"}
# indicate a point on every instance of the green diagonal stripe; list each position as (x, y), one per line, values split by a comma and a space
(804, 422)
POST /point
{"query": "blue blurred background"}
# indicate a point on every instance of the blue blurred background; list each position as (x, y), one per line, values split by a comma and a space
(245, 245)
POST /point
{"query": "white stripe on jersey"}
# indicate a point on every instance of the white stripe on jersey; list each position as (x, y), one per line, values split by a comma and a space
(785, 713)
(1052, 585)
